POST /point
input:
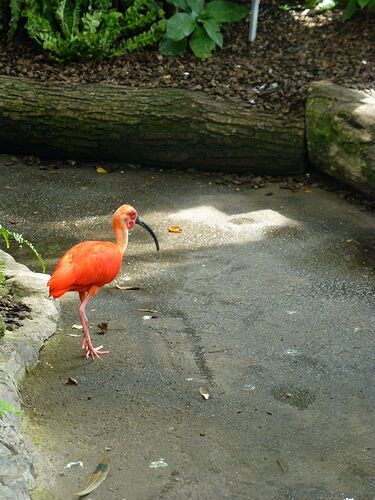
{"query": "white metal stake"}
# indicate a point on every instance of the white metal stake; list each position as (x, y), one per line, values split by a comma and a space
(253, 20)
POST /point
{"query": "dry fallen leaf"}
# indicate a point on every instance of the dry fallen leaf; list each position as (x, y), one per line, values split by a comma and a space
(152, 311)
(103, 327)
(204, 393)
(96, 478)
(175, 229)
(77, 327)
(128, 287)
(72, 381)
(101, 170)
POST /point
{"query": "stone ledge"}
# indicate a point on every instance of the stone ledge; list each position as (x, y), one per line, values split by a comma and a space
(19, 354)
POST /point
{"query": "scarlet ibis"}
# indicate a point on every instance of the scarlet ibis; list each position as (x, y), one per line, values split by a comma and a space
(86, 267)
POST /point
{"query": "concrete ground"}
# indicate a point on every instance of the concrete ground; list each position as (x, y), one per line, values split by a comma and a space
(265, 301)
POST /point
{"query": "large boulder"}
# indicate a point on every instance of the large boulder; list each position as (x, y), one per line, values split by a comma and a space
(340, 132)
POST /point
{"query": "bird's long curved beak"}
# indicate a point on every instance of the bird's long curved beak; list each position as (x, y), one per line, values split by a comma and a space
(142, 223)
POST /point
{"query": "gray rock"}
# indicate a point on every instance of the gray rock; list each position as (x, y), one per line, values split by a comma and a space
(340, 131)
(19, 354)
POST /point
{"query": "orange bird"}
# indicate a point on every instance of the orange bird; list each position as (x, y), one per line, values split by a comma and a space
(88, 266)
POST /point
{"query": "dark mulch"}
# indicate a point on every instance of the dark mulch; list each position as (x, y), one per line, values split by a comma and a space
(13, 312)
(292, 49)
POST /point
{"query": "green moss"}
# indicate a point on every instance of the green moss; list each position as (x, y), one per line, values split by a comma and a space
(323, 132)
(39, 494)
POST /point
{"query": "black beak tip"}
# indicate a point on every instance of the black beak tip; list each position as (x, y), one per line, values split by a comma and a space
(142, 223)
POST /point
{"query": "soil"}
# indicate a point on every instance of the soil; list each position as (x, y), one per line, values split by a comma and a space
(291, 50)
(13, 312)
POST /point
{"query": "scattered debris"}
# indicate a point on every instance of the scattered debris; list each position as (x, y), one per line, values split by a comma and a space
(153, 311)
(78, 463)
(103, 328)
(203, 392)
(73, 335)
(249, 387)
(101, 170)
(128, 287)
(291, 312)
(175, 229)
(71, 381)
(77, 327)
(97, 477)
(281, 467)
(147, 317)
(158, 464)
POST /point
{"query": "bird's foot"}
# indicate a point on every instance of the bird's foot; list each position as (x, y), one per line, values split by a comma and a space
(91, 351)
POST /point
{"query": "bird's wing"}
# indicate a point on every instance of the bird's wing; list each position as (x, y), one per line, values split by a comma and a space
(91, 263)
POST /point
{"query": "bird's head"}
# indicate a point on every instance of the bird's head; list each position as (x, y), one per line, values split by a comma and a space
(128, 216)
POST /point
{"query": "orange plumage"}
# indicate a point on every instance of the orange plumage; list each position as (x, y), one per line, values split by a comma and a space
(91, 263)
(88, 266)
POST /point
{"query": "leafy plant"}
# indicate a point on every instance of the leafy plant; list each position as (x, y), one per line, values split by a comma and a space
(93, 29)
(199, 25)
(351, 6)
(8, 235)
(5, 406)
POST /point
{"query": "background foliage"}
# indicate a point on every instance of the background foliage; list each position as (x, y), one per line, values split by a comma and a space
(97, 29)
(87, 29)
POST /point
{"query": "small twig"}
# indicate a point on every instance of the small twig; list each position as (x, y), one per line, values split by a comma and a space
(279, 464)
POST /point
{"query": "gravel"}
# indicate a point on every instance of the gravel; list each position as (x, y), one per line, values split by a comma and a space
(292, 49)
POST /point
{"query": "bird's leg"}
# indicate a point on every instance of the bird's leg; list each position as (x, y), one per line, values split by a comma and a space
(90, 351)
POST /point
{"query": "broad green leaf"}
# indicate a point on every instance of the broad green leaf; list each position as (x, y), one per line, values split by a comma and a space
(169, 47)
(213, 31)
(195, 6)
(224, 11)
(309, 4)
(5, 406)
(365, 3)
(180, 4)
(324, 5)
(349, 10)
(201, 44)
(180, 26)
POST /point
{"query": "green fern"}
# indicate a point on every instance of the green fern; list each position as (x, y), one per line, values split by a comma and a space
(7, 235)
(15, 16)
(5, 406)
(145, 39)
(93, 29)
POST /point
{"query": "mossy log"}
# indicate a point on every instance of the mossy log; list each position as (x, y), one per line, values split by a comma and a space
(340, 131)
(158, 127)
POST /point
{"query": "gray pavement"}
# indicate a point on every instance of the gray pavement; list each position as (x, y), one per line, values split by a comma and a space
(266, 301)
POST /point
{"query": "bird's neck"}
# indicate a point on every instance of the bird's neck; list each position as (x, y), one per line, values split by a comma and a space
(121, 233)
